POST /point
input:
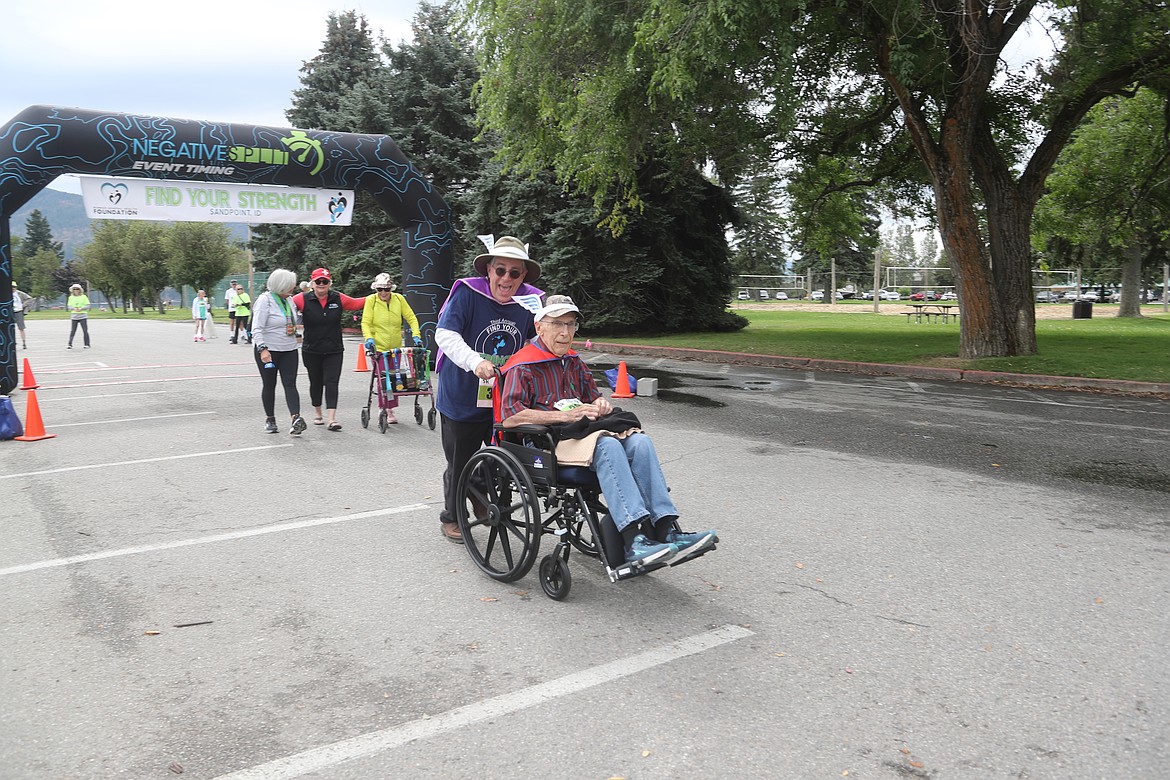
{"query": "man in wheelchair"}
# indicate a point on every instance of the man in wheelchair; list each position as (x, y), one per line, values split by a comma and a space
(547, 383)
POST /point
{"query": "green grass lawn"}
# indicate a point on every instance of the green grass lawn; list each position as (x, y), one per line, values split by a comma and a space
(1103, 347)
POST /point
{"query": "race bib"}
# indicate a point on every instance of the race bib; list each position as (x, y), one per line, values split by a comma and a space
(487, 389)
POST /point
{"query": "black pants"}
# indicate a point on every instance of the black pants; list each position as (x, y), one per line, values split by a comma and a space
(84, 330)
(460, 442)
(286, 364)
(324, 374)
(245, 323)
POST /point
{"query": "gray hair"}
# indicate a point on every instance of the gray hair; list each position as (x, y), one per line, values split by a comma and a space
(282, 281)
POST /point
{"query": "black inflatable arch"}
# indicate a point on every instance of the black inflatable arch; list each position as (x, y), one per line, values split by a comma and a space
(44, 142)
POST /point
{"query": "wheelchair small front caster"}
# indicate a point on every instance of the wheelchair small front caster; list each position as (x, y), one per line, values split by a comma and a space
(365, 418)
(555, 579)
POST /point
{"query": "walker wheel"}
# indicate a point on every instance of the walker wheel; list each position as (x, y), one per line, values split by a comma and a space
(431, 417)
(418, 414)
(555, 579)
(365, 418)
(382, 424)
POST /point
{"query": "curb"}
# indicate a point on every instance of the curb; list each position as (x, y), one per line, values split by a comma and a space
(1118, 386)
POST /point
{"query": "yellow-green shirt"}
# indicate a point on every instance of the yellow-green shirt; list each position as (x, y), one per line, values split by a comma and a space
(383, 321)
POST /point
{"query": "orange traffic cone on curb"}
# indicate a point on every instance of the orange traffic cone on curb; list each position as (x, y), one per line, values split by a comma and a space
(30, 381)
(362, 366)
(622, 386)
(34, 426)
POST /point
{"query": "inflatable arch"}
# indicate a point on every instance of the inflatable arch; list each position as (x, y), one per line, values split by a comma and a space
(44, 142)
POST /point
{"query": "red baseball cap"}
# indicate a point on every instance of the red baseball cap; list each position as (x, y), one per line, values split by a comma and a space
(321, 273)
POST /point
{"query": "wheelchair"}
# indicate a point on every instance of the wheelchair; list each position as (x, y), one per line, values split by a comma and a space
(502, 494)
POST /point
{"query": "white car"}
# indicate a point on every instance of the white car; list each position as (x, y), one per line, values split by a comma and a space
(743, 295)
(890, 295)
(948, 296)
(763, 295)
(780, 296)
(817, 295)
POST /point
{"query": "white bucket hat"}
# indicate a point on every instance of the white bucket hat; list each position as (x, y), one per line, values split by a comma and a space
(507, 246)
(383, 280)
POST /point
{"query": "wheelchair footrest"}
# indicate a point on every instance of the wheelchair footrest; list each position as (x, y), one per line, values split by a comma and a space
(689, 558)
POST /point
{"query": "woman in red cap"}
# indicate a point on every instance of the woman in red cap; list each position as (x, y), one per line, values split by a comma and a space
(322, 349)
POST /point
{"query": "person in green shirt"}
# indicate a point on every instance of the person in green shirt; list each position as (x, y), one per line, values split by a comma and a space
(243, 316)
(78, 306)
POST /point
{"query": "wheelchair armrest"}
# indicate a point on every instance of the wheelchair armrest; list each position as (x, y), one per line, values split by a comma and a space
(531, 429)
(541, 435)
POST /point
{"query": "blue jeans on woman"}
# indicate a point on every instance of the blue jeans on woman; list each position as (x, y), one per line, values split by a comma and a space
(631, 479)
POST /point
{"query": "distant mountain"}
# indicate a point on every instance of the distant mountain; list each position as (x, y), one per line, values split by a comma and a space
(66, 215)
(65, 212)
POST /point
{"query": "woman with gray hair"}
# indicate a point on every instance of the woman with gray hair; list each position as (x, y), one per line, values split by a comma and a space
(274, 336)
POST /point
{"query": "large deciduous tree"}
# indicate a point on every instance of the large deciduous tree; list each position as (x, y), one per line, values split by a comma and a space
(589, 87)
(1109, 195)
(199, 254)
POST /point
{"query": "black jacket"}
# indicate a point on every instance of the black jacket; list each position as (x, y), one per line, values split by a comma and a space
(322, 324)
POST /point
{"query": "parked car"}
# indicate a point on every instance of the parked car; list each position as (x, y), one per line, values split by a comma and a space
(780, 296)
(949, 296)
(817, 295)
(744, 295)
(1090, 295)
(1047, 296)
(763, 295)
(867, 295)
(924, 295)
(1071, 295)
(890, 295)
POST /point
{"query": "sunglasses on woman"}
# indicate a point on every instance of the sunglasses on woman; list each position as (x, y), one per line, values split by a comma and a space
(321, 281)
(384, 289)
(515, 273)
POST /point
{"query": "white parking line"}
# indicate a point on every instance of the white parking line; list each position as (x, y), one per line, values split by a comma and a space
(103, 395)
(148, 381)
(136, 462)
(327, 756)
(268, 529)
(130, 419)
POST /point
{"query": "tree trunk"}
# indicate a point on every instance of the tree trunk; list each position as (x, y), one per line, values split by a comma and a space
(1009, 219)
(1132, 289)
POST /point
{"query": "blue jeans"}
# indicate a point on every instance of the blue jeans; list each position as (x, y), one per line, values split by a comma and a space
(631, 479)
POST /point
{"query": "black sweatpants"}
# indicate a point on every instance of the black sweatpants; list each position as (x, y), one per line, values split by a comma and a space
(286, 364)
(460, 442)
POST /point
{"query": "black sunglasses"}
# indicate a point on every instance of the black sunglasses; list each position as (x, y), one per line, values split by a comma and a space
(321, 281)
(384, 289)
(515, 273)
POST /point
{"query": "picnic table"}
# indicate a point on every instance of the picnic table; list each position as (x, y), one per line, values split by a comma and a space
(932, 312)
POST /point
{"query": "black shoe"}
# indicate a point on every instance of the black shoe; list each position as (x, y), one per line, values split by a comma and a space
(298, 426)
(69, 347)
(231, 341)
(270, 427)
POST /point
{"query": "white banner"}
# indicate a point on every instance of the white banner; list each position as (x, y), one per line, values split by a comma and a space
(177, 201)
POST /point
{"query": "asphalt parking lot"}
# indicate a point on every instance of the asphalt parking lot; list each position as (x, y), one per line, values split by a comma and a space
(187, 595)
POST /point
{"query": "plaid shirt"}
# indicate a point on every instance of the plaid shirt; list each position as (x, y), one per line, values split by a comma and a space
(540, 385)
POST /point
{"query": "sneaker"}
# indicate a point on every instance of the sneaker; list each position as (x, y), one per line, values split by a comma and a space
(196, 338)
(69, 347)
(689, 544)
(298, 426)
(646, 551)
(270, 426)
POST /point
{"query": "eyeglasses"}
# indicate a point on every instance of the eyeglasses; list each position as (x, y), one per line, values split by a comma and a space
(570, 326)
(515, 273)
(384, 289)
(321, 281)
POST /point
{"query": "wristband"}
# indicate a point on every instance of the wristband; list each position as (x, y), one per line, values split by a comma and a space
(261, 347)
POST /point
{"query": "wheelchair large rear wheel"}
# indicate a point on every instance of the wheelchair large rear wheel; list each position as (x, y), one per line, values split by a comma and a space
(498, 513)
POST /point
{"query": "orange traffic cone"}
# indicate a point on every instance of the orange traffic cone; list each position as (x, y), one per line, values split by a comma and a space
(362, 366)
(30, 381)
(622, 386)
(34, 426)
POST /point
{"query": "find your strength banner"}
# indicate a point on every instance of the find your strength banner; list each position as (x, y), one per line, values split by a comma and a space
(175, 201)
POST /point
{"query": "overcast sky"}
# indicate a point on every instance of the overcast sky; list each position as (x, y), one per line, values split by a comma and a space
(220, 60)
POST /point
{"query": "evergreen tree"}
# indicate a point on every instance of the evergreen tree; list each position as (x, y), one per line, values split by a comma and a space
(38, 235)
(335, 82)
(759, 237)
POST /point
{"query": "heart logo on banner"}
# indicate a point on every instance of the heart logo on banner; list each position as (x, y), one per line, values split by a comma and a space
(114, 192)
